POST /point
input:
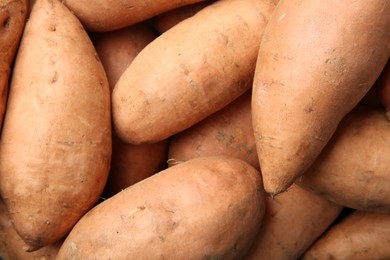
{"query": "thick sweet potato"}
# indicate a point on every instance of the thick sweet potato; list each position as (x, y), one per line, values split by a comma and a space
(353, 168)
(55, 146)
(187, 79)
(12, 246)
(227, 132)
(316, 61)
(107, 15)
(206, 208)
(292, 222)
(13, 15)
(360, 235)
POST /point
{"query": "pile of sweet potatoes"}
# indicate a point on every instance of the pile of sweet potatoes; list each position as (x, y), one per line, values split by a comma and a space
(194, 129)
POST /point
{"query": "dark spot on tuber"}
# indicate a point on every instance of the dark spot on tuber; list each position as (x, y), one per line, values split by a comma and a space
(7, 22)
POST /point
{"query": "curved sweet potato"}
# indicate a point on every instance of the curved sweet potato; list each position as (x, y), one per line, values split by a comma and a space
(107, 15)
(13, 15)
(55, 146)
(292, 222)
(227, 132)
(353, 168)
(188, 79)
(205, 208)
(360, 235)
(314, 66)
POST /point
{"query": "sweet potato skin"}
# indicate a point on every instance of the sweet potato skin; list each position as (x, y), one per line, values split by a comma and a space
(206, 208)
(353, 168)
(360, 235)
(154, 104)
(310, 76)
(292, 222)
(13, 15)
(55, 146)
(227, 132)
(106, 15)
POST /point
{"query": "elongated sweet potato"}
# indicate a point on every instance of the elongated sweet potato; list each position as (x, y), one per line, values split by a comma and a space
(227, 132)
(55, 146)
(188, 79)
(360, 235)
(107, 15)
(12, 246)
(167, 20)
(353, 169)
(316, 61)
(13, 15)
(292, 222)
(130, 163)
(206, 208)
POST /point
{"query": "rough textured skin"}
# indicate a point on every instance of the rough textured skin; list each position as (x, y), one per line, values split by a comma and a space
(384, 89)
(186, 79)
(314, 65)
(167, 20)
(108, 15)
(360, 235)
(12, 246)
(292, 222)
(227, 132)
(353, 169)
(13, 16)
(206, 208)
(130, 163)
(55, 146)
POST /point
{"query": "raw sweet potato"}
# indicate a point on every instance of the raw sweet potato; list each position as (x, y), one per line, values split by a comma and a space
(292, 222)
(360, 235)
(130, 163)
(384, 89)
(12, 246)
(316, 61)
(55, 146)
(187, 79)
(107, 15)
(13, 15)
(353, 168)
(205, 208)
(167, 20)
(227, 132)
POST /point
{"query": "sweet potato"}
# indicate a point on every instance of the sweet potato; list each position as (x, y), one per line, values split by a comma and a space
(12, 246)
(130, 163)
(316, 61)
(13, 15)
(205, 208)
(167, 20)
(55, 146)
(227, 132)
(107, 15)
(360, 235)
(188, 79)
(353, 168)
(384, 89)
(292, 222)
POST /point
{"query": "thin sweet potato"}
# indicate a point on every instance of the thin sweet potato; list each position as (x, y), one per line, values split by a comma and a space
(188, 79)
(205, 208)
(360, 235)
(227, 132)
(13, 15)
(353, 168)
(107, 15)
(292, 222)
(55, 146)
(316, 61)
